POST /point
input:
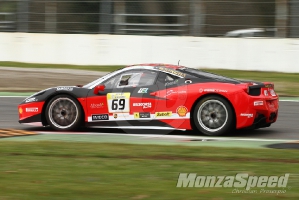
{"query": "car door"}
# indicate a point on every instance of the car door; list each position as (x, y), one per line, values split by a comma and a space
(128, 96)
(173, 95)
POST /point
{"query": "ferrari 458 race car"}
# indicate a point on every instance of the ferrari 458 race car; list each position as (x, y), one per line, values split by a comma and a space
(155, 96)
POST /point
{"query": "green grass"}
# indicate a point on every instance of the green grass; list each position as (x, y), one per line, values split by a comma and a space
(62, 170)
(286, 84)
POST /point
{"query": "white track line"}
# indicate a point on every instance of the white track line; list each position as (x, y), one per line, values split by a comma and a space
(178, 137)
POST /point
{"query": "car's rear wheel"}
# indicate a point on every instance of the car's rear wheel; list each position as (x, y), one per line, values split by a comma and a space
(63, 113)
(213, 116)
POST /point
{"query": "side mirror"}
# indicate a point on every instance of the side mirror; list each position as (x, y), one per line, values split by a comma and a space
(98, 88)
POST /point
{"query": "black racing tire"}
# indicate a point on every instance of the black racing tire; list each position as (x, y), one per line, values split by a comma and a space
(213, 116)
(64, 113)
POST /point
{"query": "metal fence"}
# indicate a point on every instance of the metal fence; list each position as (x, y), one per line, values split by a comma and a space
(150, 17)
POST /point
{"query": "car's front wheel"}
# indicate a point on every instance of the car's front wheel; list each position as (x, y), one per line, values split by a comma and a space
(213, 116)
(63, 113)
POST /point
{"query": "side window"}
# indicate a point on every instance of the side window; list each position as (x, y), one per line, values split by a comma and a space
(165, 78)
(134, 78)
(148, 78)
(109, 84)
(129, 80)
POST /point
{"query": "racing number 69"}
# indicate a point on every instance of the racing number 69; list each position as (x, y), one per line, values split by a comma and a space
(118, 104)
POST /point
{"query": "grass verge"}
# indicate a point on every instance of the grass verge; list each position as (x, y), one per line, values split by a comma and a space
(286, 84)
(62, 170)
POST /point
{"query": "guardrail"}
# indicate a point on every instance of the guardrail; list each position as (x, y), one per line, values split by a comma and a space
(125, 26)
(7, 21)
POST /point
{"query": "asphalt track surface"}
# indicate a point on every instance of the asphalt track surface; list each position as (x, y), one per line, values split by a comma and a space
(286, 127)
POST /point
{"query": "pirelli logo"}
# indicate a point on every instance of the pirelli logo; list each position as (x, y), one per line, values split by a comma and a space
(163, 114)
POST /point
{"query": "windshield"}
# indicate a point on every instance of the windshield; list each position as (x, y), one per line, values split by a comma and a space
(98, 80)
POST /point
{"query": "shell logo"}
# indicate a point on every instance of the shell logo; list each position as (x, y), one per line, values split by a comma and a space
(182, 111)
(20, 110)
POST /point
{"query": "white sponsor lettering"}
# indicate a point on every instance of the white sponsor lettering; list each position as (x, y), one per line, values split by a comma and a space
(97, 105)
(211, 90)
(169, 92)
(214, 90)
(100, 117)
(64, 88)
(31, 109)
(249, 115)
(144, 105)
(258, 103)
(32, 99)
(143, 90)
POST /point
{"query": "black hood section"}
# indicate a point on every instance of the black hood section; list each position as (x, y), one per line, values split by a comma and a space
(43, 95)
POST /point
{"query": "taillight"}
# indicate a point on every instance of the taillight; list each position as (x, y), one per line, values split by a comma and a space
(272, 92)
(266, 92)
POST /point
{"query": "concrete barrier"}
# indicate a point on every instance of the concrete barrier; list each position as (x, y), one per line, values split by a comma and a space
(227, 53)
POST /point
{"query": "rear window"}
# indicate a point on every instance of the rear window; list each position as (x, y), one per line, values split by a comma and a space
(206, 75)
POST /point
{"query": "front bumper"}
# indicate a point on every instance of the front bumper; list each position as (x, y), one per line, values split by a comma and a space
(30, 112)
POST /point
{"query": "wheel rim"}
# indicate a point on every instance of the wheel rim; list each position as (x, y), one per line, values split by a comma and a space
(212, 115)
(63, 113)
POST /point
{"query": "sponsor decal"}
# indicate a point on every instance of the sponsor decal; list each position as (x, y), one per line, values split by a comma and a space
(171, 83)
(99, 117)
(182, 111)
(97, 105)
(142, 115)
(115, 115)
(20, 110)
(243, 181)
(32, 99)
(171, 71)
(64, 88)
(169, 92)
(213, 90)
(118, 102)
(258, 103)
(125, 95)
(144, 105)
(163, 114)
(143, 90)
(249, 115)
(31, 109)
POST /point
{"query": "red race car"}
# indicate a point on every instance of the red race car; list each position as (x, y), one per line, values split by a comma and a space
(155, 96)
